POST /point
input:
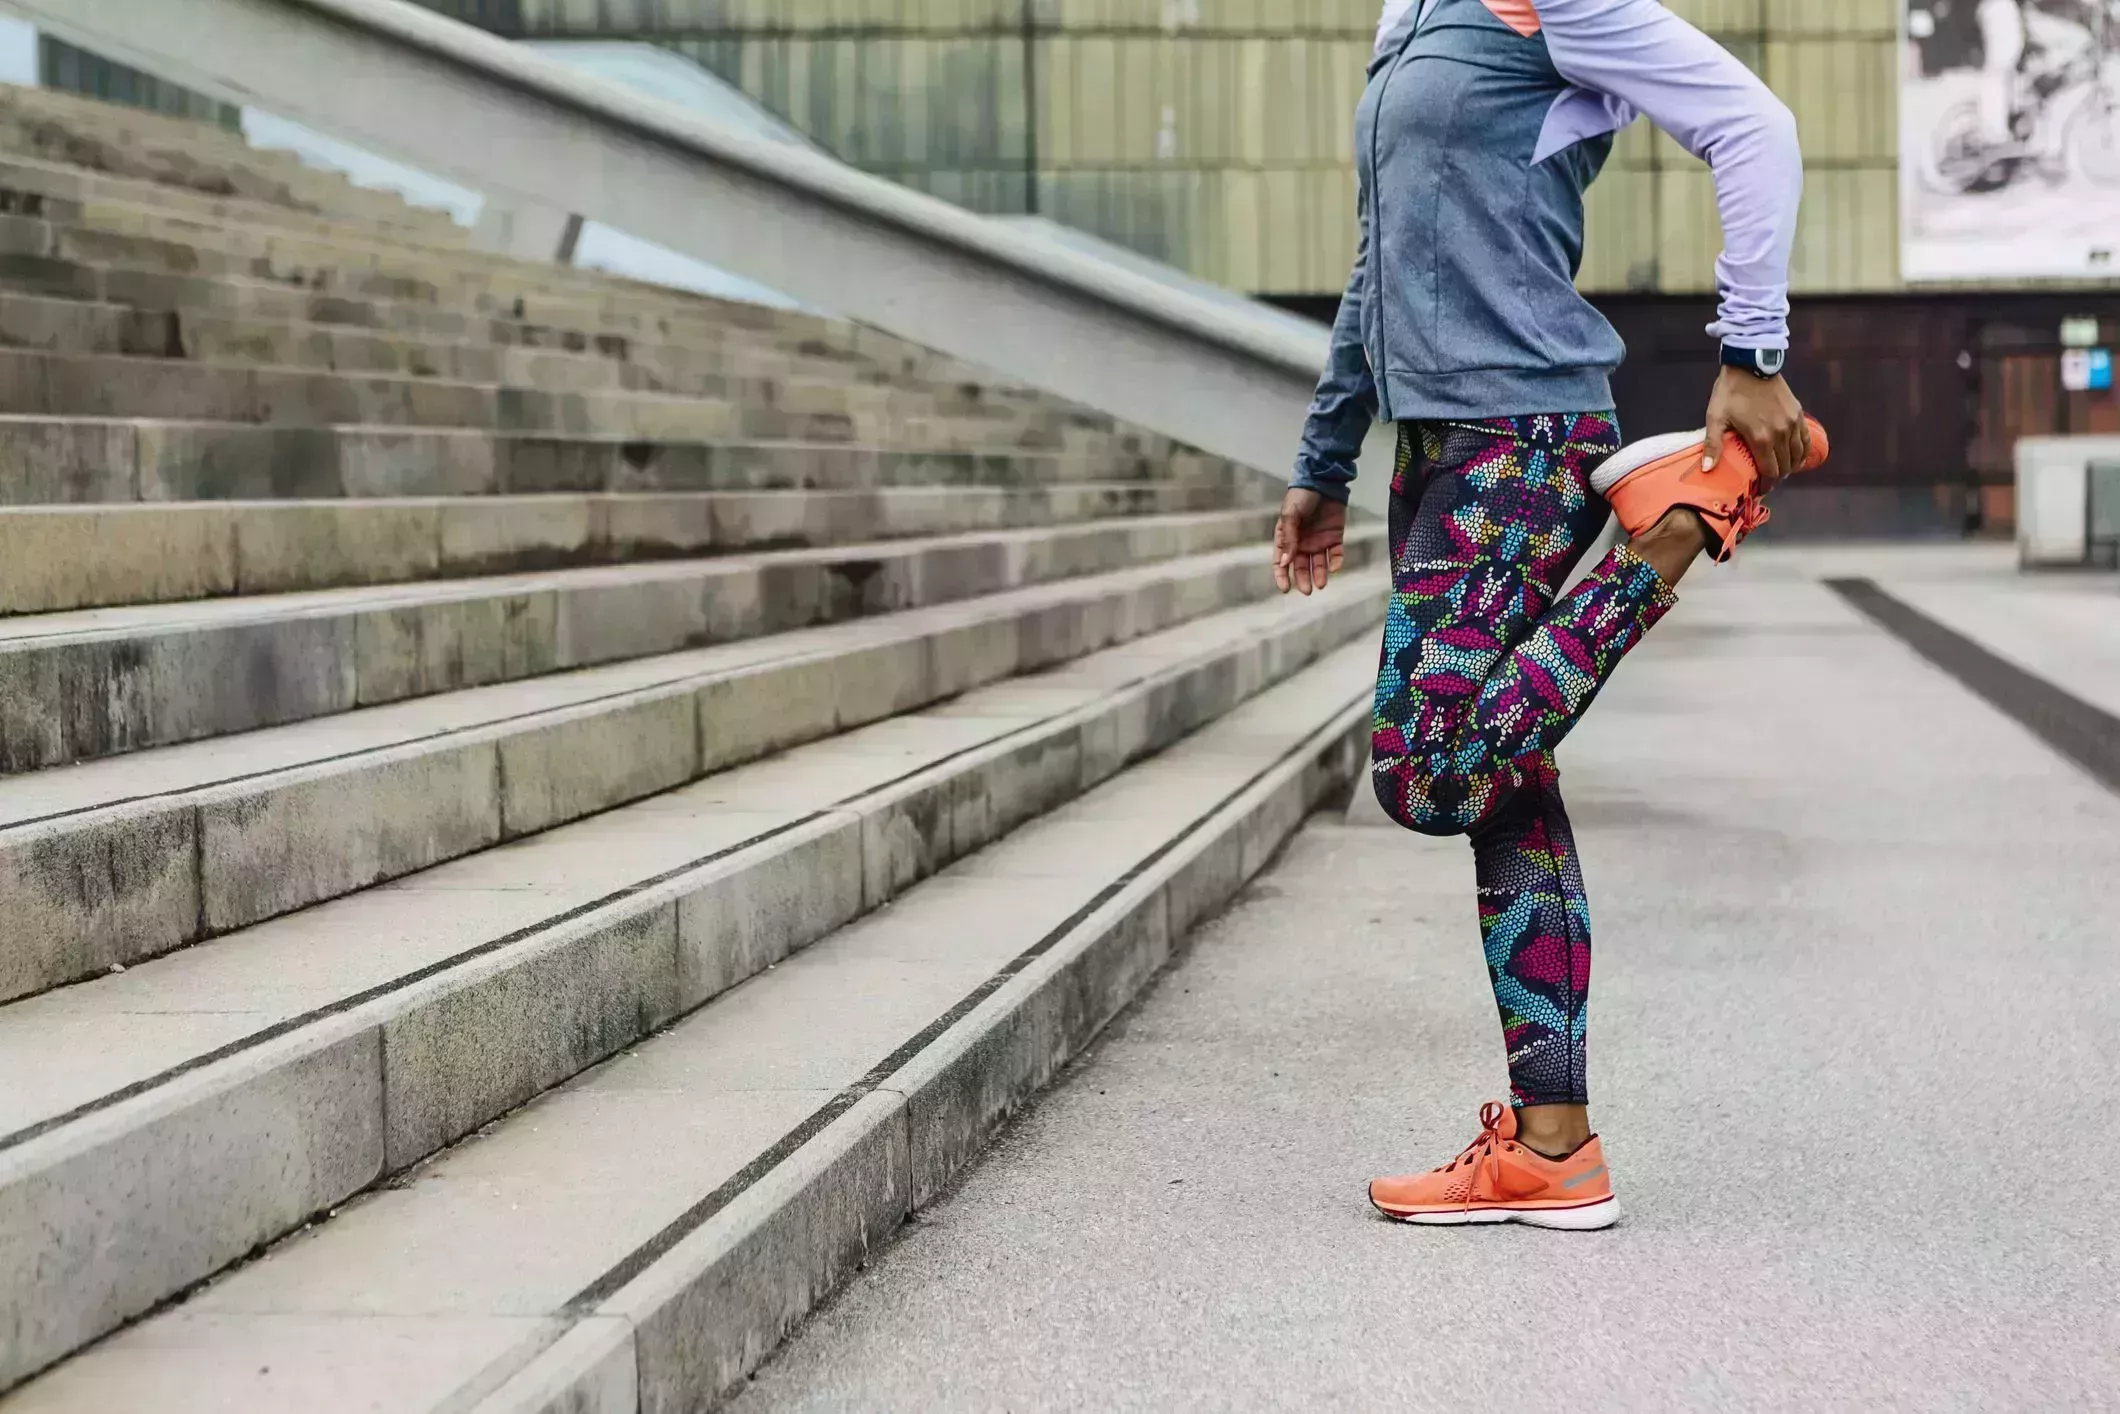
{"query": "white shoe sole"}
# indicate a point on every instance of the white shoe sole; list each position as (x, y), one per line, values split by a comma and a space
(1587, 1218)
(1636, 455)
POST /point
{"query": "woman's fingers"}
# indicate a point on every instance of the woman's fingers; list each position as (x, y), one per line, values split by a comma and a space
(1285, 533)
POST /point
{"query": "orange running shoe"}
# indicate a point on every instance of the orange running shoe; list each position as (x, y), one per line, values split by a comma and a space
(1497, 1180)
(1645, 480)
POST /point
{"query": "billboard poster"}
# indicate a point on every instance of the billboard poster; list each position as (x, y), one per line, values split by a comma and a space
(2009, 114)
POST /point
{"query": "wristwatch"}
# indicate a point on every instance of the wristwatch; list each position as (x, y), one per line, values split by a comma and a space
(1760, 363)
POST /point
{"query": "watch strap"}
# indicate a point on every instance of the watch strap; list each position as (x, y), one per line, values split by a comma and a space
(1762, 363)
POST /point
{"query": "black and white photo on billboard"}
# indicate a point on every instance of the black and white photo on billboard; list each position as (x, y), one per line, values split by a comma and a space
(2009, 115)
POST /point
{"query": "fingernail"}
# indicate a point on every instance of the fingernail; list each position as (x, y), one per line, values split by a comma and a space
(1707, 463)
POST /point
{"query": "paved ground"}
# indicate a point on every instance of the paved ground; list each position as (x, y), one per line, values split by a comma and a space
(1856, 1033)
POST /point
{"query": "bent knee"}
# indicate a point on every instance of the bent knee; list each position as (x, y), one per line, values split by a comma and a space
(1405, 797)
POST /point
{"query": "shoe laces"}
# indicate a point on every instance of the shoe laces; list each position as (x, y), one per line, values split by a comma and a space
(1747, 515)
(1487, 1149)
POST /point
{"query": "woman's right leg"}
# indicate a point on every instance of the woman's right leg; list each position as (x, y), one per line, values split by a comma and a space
(1484, 669)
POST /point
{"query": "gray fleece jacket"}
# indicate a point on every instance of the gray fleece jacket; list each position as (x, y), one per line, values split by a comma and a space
(1483, 124)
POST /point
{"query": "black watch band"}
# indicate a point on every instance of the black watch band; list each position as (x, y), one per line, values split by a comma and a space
(1760, 363)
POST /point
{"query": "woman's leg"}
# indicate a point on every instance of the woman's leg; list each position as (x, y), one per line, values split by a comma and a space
(1535, 923)
(1484, 669)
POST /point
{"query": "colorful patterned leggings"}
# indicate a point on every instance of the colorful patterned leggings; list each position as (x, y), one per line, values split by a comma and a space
(1484, 671)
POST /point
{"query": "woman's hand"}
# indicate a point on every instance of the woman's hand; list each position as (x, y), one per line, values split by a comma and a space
(1308, 541)
(1766, 416)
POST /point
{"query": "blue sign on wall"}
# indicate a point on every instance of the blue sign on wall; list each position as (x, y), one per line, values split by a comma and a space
(2101, 370)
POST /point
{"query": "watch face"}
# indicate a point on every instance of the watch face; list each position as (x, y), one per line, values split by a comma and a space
(1772, 361)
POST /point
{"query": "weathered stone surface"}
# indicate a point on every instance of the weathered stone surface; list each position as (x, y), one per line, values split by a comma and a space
(55, 560)
(265, 851)
(596, 757)
(208, 1168)
(479, 1041)
(324, 546)
(79, 900)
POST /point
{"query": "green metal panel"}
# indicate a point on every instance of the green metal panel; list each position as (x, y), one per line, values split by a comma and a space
(62, 66)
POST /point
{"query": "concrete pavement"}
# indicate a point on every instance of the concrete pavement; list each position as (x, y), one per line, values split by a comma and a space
(1853, 1042)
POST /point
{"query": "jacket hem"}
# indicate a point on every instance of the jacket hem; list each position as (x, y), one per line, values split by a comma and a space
(1497, 392)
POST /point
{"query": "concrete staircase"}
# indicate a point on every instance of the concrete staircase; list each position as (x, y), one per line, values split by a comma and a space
(546, 816)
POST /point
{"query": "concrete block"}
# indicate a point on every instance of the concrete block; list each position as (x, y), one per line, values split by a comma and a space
(919, 827)
(556, 371)
(33, 323)
(26, 235)
(67, 700)
(187, 462)
(528, 463)
(650, 526)
(1204, 873)
(364, 351)
(78, 900)
(443, 645)
(981, 651)
(316, 399)
(147, 387)
(760, 710)
(70, 462)
(741, 466)
(102, 1221)
(50, 277)
(500, 534)
(291, 547)
(762, 904)
(267, 850)
(717, 1304)
(595, 757)
(658, 419)
(478, 1041)
(905, 836)
(635, 618)
(530, 410)
(433, 403)
(115, 555)
(773, 597)
(25, 382)
(377, 461)
(216, 339)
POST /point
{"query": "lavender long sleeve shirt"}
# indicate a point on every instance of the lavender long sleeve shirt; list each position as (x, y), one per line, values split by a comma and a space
(1483, 123)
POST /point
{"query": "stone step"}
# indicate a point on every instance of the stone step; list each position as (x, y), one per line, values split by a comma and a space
(115, 460)
(99, 682)
(62, 325)
(641, 1236)
(350, 264)
(361, 1037)
(37, 383)
(186, 155)
(24, 179)
(315, 264)
(108, 863)
(54, 558)
(331, 252)
(557, 324)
